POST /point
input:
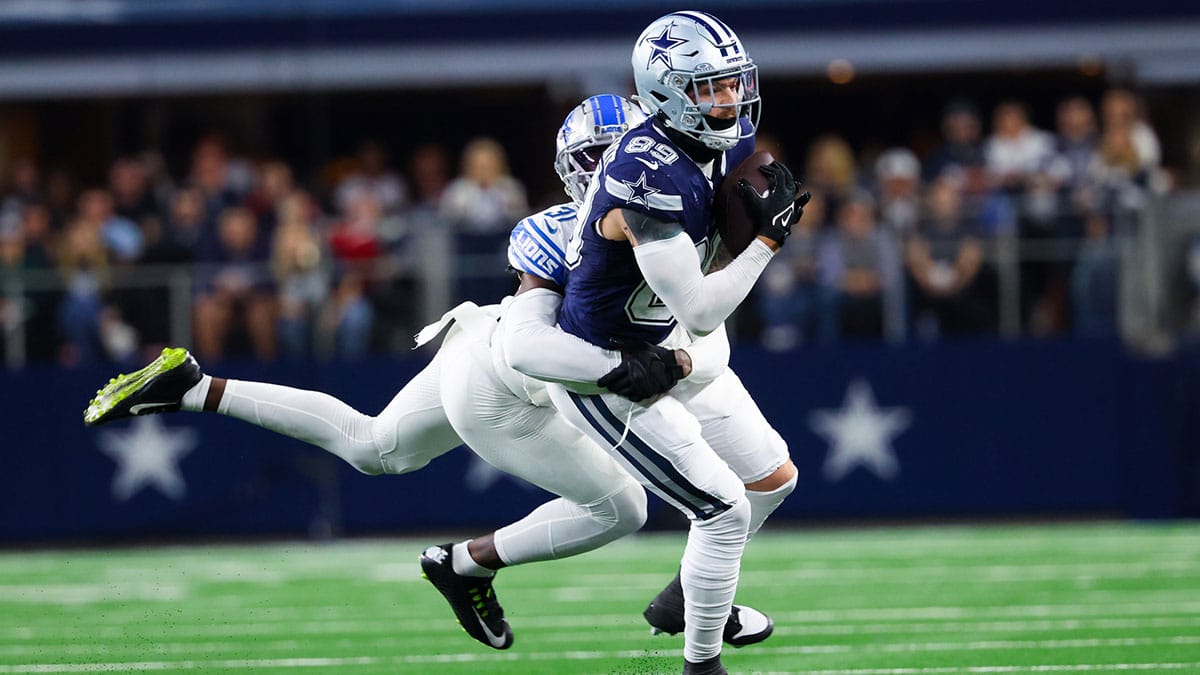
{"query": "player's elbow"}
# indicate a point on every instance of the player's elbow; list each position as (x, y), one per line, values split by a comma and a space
(519, 356)
(699, 322)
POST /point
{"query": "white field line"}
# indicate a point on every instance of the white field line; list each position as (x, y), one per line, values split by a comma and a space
(963, 542)
(73, 647)
(590, 587)
(822, 572)
(385, 607)
(384, 625)
(406, 572)
(76, 594)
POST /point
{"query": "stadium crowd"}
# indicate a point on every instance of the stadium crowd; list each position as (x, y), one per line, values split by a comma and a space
(280, 267)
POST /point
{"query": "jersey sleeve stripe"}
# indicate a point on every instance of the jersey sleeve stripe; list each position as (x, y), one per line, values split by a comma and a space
(653, 200)
(546, 242)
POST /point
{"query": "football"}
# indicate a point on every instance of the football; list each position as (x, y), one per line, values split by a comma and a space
(732, 218)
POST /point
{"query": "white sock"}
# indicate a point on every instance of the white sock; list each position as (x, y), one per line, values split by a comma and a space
(193, 399)
(709, 572)
(464, 564)
(763, 504)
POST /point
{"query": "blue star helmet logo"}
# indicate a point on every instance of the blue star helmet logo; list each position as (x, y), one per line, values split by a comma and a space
(663, 43)
(639, 192)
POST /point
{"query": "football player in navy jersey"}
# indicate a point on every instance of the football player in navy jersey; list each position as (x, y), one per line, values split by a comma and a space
(467, 394)
(637, 259)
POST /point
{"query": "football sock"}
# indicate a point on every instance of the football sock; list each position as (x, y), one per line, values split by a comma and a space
(193, 399)
(709, 571)
(763, 504)
(464, 564)
(310, 416)
(561, 528)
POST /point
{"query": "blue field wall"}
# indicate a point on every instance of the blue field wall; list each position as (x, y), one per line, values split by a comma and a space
(975, 429)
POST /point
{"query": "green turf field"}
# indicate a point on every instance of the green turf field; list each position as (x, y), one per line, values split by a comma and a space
(1057, 598)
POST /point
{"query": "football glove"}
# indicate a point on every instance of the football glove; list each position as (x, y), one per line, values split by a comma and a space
(648, 371)
(780, 208)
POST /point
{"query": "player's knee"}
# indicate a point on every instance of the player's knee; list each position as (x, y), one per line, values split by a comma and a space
(731, 524)
(629, 509)
(365, 460)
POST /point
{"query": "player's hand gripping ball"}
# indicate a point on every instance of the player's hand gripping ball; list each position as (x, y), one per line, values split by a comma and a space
(759, 197)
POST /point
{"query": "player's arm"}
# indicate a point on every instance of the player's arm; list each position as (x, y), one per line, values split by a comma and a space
(668, 261)
(707, 356)
(535, 346)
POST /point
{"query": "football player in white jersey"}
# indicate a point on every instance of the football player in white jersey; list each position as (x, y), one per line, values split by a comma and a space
(637, 259)
(466, 394)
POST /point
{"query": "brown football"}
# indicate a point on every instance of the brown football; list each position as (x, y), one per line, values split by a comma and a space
(729, 210)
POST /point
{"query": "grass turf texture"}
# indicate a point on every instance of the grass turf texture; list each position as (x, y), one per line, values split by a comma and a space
(1052, 598)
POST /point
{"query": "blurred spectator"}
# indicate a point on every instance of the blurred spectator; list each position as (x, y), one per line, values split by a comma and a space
(358, 245)
(1075, 150)
(132, 197)
(429, 170)
(1016, 149)
(31, 247)
(121, 236)
(831, 170)
(36, 236)
(210, 174)
(794, 306)
(296, 259)
(898, 185)
(485, 199)
(373, 174)
(985, 205)
(481, 206)
(273, 184)
(22, 190)
(236, 292)
(1018, 156)
(1122, 110)
(83, 262)
(60, 197)
(962, 140)
(859, 263)
(944, 260)
(1094, 281)
(184, 231)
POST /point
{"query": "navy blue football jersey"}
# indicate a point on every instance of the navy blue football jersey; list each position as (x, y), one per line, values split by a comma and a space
(607, 300)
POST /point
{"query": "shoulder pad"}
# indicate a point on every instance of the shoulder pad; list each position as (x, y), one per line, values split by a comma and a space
(537, 243)
(646, 174)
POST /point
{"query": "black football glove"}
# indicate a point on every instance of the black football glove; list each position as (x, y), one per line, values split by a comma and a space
(649, 371)
(780, 208)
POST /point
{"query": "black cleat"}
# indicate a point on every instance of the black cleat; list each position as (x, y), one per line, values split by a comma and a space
(472, 598)
(706, 667)
(745, 626)
(157, 388)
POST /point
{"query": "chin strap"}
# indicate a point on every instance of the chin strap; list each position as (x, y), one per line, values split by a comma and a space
(697, 150)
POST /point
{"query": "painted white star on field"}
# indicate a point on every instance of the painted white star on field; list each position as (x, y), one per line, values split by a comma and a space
(860, 434)
(148, 454)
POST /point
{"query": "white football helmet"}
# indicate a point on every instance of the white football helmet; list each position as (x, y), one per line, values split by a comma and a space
(589, 129)
(678, 57)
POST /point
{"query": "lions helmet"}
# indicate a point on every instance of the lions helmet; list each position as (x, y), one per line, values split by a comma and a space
(591, 127)
(677, 60)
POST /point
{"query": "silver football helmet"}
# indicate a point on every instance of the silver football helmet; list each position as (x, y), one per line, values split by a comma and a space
(684, 57)
(589, 129)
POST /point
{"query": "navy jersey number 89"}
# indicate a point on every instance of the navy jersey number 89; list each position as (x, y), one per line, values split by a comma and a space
(607, 300)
